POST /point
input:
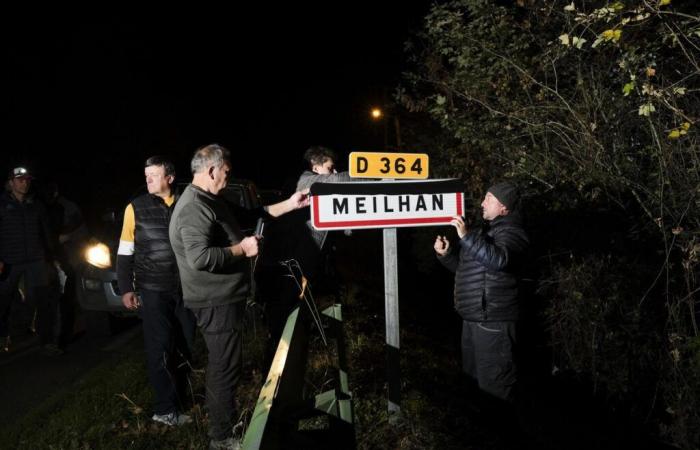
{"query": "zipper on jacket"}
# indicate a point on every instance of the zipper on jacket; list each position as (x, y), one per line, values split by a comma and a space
(483, 298)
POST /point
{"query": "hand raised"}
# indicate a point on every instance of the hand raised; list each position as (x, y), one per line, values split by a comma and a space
(441, 246)
(300, 199)
(460, 226)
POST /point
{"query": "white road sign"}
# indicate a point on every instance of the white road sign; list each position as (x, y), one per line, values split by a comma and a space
(342, 206)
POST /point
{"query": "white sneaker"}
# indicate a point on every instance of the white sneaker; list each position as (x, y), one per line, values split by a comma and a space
(225, 444)
(172, 419)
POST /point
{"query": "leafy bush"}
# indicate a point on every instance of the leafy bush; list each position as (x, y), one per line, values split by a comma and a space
(589, 100)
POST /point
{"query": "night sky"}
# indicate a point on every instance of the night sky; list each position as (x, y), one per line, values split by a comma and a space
(87, 99)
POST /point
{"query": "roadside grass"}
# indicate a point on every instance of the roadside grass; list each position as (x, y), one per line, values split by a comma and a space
(110, 407)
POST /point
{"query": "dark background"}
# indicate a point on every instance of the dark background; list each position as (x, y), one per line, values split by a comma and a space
(87, 96)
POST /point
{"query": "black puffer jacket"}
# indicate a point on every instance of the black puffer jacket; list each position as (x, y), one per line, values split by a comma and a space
(155, 268)
(24, 230)
(486, 282)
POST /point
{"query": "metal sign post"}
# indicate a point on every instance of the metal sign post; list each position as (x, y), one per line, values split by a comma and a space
(391, 310)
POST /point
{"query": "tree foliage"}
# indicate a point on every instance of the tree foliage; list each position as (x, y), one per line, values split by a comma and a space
(590, 100)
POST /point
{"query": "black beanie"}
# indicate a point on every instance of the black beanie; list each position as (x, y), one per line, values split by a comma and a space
(506, 193)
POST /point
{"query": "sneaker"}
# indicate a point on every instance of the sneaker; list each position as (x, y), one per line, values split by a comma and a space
(225, 444)
(172, 419)
(52, 350)
(6, 344)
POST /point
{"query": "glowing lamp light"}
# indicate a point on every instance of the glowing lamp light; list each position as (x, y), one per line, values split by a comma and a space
(376, 113)
(98, 256)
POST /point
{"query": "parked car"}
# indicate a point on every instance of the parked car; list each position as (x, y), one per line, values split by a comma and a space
(97, 287)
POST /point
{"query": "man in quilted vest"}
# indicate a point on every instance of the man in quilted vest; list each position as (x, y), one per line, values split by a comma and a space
(148, 280)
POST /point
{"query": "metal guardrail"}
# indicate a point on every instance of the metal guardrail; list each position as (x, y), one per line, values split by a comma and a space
(282, 404)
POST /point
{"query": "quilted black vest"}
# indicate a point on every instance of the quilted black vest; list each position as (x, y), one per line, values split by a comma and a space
(155, 268)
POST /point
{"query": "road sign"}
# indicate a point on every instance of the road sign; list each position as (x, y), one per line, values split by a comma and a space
(388, 165)
(389, 204)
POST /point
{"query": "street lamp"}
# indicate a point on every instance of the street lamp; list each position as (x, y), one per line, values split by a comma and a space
(377, 114)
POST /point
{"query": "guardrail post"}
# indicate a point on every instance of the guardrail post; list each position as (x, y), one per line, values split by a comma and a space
(280, 406)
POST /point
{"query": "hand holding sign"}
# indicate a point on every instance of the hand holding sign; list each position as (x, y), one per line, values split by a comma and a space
(460, 226)
(300, 199)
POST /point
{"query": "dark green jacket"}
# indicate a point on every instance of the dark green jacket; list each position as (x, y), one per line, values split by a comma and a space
(202, 228)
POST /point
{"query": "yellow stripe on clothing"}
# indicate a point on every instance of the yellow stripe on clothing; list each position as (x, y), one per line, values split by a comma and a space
(129, 225)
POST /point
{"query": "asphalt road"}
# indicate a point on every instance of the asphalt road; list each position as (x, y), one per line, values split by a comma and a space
(27, 376)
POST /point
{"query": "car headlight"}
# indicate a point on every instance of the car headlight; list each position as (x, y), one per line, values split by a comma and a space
(98, 256)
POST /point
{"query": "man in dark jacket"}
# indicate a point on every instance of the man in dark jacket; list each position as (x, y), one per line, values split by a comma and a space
(212, 256)
(148, 279)
(486, 289)
(26, 251)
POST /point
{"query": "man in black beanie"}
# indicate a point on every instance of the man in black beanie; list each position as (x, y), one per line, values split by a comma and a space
(486, 289)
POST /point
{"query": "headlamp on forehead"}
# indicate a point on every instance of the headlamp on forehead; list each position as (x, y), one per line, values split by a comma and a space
(18, 172)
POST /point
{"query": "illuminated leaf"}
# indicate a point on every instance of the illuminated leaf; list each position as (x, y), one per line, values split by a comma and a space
(627, 88)
(578, 42)
(679, 91)
(570, 7)
(685, 126)
(646, 109)
(664, 2)
(674, 134)
(564, 39)
(608, 34)
(650, 72)
(618, 6)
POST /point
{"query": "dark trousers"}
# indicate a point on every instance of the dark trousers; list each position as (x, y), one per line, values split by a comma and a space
(221, 327)
(487, 356)
(38, 295)
(168, 332)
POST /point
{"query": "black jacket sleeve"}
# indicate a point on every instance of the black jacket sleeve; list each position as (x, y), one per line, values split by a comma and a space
(495, 253)
(125, 273)
(450, 260)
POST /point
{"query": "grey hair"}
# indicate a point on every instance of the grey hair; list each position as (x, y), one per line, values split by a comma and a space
(209, 155)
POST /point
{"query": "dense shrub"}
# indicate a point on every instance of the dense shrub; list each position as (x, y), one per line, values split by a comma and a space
(595, 102)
